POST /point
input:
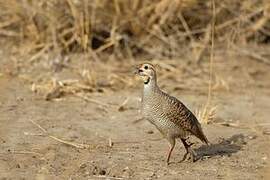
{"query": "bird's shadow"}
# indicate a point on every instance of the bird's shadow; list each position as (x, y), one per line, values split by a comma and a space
(225, 147)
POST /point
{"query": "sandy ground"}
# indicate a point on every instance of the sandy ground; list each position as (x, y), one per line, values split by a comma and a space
(239, 150)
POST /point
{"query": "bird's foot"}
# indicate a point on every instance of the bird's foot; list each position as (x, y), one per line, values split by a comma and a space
(184, 157)
(192, 155)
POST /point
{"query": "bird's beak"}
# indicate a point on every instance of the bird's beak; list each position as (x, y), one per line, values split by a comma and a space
(137, 70)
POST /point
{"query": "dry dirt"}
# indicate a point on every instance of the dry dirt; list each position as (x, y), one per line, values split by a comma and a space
(239, 150)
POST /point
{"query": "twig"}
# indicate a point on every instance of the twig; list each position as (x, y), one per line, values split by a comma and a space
(165, 65)
(40, 127)
(206, 39)
(186, 27)
(105, 46)
(235, 125)
(209, 96)
(122, 106)
(212, 52)
(40, 53)
(266, 132)
(110, 142)
(80, 146)
(137, 120)
(263, 124)
(23, 152)
(4, 32)
(32, 134)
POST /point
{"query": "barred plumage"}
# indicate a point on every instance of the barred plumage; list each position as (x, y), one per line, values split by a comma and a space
(170, 116)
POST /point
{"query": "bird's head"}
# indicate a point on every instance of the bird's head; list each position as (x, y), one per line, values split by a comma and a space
(147, 72)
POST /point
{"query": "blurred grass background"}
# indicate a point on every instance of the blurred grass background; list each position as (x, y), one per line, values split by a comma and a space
(131, 29)
(79, 46)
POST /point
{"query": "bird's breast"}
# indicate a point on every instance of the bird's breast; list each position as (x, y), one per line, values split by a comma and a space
(155, 112)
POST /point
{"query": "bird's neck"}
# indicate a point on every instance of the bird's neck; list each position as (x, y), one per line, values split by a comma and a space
(150, 87)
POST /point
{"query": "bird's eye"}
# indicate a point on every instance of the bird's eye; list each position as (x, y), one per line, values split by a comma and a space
(145, 67)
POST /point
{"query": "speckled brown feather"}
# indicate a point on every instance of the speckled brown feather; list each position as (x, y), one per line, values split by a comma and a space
(179, 114)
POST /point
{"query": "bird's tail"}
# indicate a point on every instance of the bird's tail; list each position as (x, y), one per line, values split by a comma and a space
(201, 136)
(205, 140)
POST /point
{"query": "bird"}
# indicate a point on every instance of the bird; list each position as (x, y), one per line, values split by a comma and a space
(168, 114)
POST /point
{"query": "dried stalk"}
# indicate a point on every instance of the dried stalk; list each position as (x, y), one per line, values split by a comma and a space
(76, 145)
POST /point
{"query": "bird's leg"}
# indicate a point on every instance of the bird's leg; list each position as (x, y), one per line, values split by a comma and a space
(189, 150)
(184, 157)
(172, 144)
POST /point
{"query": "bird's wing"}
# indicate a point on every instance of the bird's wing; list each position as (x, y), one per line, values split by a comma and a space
(179, 114)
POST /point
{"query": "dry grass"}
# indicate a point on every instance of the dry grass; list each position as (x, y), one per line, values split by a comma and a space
(45, 133)
(206, 115)
(126, 29)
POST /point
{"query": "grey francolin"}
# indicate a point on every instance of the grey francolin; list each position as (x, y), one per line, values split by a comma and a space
(170, 116)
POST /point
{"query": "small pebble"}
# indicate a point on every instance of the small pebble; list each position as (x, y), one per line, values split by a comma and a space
(252, 137)
(102, 172)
